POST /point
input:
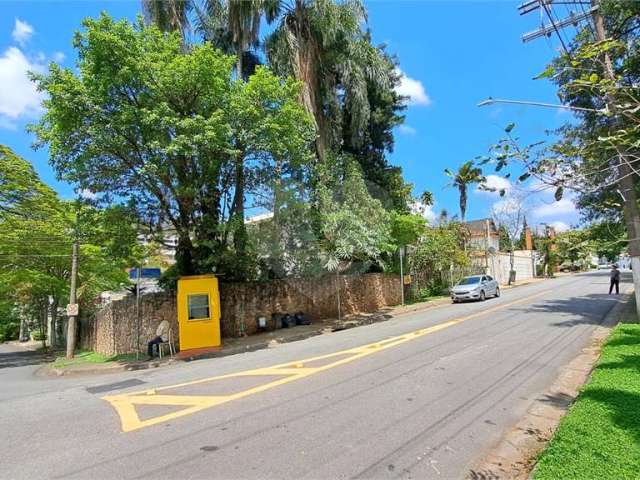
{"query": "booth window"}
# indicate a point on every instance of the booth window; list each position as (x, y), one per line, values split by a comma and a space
(198, 306)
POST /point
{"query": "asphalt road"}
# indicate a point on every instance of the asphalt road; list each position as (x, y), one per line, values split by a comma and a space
(425, 405)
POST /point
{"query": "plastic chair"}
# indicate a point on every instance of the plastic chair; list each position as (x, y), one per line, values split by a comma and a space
(169, 342)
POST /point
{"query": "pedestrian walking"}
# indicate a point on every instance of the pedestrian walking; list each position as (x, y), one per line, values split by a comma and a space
(615, 279)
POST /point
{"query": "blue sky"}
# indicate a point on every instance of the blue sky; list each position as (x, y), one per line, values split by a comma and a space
(453, 55)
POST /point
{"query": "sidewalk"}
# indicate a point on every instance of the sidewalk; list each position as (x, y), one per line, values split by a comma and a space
(260, 341)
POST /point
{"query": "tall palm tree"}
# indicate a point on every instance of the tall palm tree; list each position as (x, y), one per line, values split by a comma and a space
(322, 44)
(427, 198)
(168, 15)
(234, 27)
(468, 174)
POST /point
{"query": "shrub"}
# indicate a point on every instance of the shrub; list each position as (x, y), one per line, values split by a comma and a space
(37, 336)
(9, 331)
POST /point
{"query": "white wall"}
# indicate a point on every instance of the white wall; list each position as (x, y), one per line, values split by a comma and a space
(500, 264)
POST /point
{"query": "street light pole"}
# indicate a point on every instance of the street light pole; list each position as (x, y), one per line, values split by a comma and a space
(491, 101)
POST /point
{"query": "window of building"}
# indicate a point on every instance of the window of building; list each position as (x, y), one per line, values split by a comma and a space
(198, 306)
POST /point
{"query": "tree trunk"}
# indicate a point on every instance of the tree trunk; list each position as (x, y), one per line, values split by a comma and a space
(237, 209)
(627, 180)
(184, 254)
(463, 202)
(24, 329)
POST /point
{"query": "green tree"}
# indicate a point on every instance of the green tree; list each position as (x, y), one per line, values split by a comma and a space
(468, 174)
(609, 239)
(354, 227)
(439, 250)
(146, 121)
(36, 233)
(406, 229)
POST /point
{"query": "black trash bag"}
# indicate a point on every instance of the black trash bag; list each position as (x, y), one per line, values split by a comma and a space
(288, 321)
(276, 320)
(301, 319)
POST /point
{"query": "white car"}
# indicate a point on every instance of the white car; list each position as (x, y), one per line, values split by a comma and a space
(604, 266)
(476, 287)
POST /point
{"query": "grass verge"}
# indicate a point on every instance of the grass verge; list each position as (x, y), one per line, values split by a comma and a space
(90, 357)
(424, 299)
(600, 435)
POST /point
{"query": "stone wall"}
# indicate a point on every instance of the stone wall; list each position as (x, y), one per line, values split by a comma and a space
(112, 330)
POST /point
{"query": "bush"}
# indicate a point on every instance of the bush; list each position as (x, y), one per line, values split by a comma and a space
(9, 331)
(37, 336)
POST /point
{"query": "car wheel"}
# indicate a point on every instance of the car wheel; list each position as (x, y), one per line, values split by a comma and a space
(497, 292)
(482, 297)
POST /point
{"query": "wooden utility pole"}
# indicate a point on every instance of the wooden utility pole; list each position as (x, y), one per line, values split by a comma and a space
(71, 326)
(627, 179)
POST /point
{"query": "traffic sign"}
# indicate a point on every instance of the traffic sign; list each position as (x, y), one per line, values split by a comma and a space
(72, 309)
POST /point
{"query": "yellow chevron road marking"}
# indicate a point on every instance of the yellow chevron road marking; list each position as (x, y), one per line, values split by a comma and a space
(125, 404)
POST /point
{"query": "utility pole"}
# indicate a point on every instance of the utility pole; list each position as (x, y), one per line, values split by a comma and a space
(73, 307)
(401, 275)
(626, 179)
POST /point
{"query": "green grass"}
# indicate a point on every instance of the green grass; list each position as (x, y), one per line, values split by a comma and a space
(600, 436)
(90, 357)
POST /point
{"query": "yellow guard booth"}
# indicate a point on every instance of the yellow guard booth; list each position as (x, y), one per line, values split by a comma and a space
(198, 313)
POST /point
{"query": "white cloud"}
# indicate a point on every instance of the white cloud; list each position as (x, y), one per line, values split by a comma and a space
(18, 95)
(562, 207)
(413, 89)
(407, 130)
(426, 211)
(59, 57)
(494, 183)
(560, 226)
(22, 32)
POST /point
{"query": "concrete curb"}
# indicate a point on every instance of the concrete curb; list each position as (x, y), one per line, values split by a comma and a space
(515, 455)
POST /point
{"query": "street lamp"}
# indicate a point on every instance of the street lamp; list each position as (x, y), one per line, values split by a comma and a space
(491, 101)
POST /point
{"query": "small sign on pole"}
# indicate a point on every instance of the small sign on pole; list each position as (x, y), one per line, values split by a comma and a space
(72, 310)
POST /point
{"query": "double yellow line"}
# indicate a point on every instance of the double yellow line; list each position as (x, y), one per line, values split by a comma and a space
(125, 404)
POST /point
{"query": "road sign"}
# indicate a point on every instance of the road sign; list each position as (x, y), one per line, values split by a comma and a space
(72, 309)
(144, 273)
(407, 279)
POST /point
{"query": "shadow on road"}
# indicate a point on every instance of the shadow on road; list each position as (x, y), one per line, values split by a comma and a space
(11, 357)
(585, 310)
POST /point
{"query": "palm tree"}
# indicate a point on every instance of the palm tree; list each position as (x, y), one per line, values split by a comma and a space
(427, 198)
(322, 44)
(168, 15)
(468, 174)
(234, 27)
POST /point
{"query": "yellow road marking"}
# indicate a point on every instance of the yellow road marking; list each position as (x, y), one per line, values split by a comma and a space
(125, 404)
